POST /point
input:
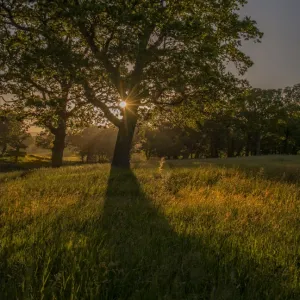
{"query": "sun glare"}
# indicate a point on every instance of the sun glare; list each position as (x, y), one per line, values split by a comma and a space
(123, 104)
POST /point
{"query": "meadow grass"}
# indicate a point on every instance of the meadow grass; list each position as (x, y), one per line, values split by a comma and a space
(32, 161)
(190, 230)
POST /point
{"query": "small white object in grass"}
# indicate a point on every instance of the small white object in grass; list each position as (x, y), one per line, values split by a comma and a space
(123, 104)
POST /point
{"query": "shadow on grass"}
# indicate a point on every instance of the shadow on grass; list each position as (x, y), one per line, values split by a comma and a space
(128, 249)
(14, 175)
(7, 166)
(152, 261)
(143, 244)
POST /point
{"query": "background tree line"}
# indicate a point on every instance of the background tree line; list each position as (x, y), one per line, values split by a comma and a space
(257, 122)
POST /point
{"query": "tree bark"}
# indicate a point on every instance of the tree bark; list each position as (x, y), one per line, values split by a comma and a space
(213, 149)
(185, 155)
(148, 154)
(248, 144)
(121, 157)
(230, 147)
(17, 154)
(285, 142)
(197, 154)
(3, 150)
(58, 147)
(258, 143)
(82, 157)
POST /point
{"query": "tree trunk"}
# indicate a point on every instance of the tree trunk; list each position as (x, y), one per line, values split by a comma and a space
(230, 143)
(91, 157)
(17, 154)
(58, 147)
(185, 155)
(197, 154)
(121, 157)
(258, 143)
(285, 142)
(3, 150)
(148, 154)
(239, 150)
(213, 149)
(230, 147)
(82, 157)
(248, 141)
(294, 150)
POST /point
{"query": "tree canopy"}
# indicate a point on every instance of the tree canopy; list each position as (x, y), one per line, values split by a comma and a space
(257, 122)
(143, 52)
(13, 133)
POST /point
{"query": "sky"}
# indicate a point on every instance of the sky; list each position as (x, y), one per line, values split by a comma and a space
(277, 58)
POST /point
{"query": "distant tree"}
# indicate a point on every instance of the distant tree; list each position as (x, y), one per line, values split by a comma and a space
(44, 139)
(143, 52)
(167, 140)
(94, 144)
(290, 120)
(260, 111)
(13, 133)
(4, 133)
(39, 80)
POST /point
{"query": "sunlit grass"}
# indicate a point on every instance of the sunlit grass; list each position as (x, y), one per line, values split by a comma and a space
(202, 232)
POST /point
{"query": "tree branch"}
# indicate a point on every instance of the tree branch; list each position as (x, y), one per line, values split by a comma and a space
(37, 86)
(136, 75)
(11, 18)
(177, 101)
(75, 109)
(115, 76)
(91, 97)
(52, 129)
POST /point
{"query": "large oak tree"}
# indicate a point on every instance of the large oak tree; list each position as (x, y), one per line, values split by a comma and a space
(143, 52)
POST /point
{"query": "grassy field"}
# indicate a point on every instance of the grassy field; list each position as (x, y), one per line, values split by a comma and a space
(32, 161)
(205, 229)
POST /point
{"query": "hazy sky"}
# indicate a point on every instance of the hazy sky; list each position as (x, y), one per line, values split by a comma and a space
(277, 58)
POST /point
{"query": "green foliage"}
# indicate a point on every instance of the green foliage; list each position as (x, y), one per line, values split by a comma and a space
(173, 51)
(44, 140)
(13, 132)
(94, 144)
(249, 122)
(197, 232)
(147, 53)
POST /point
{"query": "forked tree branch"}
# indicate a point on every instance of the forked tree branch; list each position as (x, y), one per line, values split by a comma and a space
(101, 55)
(92, 98)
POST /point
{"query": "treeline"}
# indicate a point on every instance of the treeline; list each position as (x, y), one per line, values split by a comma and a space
(260, 122)
(94, 144)
(257, 122)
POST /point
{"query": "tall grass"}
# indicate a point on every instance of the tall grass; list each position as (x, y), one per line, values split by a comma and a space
(209, 232)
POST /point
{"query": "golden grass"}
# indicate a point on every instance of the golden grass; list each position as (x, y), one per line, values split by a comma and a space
(204, 232)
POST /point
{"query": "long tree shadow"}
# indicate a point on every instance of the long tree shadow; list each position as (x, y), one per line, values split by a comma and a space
(151, 261)
(141, 241)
